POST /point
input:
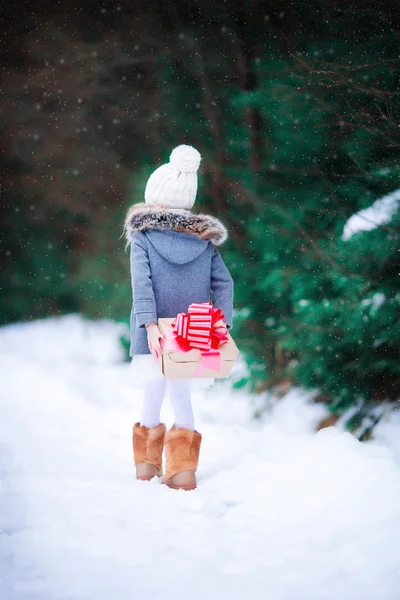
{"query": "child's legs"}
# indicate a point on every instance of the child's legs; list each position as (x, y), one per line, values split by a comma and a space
(154, 393)
(180, 399)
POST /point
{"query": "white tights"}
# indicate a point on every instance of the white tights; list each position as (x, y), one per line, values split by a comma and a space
(154, 394)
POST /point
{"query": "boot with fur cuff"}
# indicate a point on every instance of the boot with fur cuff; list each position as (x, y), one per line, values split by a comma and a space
(182, 448)
(148, 443)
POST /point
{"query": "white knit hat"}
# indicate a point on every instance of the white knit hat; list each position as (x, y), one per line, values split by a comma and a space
(174, 185)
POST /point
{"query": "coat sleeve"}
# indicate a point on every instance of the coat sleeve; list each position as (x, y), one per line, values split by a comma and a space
(144, 303)
(221, 287)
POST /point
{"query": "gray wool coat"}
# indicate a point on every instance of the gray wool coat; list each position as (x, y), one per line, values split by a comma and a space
(174, 262)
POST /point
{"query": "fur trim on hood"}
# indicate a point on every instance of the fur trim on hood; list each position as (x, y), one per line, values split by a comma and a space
(143, 216)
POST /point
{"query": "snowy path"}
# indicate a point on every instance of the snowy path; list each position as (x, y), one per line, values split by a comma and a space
(280, 513)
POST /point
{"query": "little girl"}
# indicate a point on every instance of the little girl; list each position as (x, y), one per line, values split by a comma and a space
(174, 262)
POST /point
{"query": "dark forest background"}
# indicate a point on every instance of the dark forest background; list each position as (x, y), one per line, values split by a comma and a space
(294, 107)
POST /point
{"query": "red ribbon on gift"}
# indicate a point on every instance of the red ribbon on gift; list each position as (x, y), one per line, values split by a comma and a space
(198, 329)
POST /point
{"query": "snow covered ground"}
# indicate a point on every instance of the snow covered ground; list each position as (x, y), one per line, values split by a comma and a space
(281, 513)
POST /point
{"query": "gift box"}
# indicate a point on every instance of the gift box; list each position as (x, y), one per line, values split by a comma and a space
(195, 345)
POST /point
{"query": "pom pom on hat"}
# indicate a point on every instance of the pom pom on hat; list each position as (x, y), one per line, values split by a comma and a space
(174, 185)
(185, 158)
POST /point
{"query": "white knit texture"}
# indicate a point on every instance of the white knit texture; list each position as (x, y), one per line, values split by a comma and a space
(174, 185)
(179, 394)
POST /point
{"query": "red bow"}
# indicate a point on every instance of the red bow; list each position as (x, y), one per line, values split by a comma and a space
(198, 328)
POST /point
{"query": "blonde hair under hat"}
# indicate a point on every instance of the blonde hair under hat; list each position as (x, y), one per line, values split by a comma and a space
(174, 185)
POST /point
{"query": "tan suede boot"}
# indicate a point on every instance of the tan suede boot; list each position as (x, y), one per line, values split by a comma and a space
(148, 445)
(182, 448)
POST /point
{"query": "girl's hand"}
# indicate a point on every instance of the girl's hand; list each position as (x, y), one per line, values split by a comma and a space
(153, 338)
